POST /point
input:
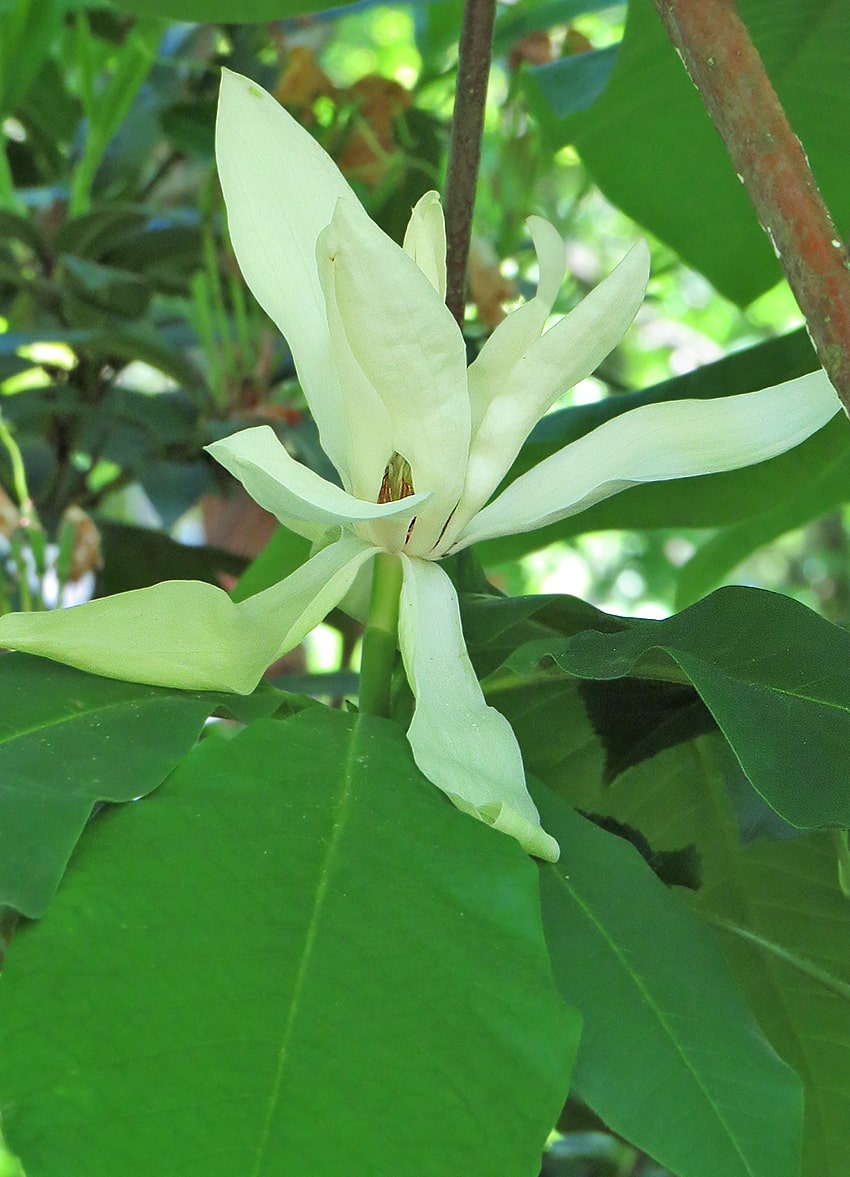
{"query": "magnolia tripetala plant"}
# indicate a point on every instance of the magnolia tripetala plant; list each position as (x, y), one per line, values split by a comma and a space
(420, 441)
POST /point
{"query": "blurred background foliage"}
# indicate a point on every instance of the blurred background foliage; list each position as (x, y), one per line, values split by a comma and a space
(128, 338)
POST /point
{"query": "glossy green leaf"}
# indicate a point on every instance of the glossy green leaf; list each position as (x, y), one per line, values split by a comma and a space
(650, 123)
(494, 627)
(785, 925)
(671, 1056)
(304, 961)
(776, 678)
(69, 740)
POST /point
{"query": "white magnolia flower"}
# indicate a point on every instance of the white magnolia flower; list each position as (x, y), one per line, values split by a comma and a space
(420, 443)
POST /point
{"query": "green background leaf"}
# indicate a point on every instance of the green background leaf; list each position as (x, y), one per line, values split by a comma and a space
(783, 891)
(378, 1000)
(671, 1056)
(650, 123)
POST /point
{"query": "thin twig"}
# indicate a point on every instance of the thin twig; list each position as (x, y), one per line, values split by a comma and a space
(725, 67)
(473, 72)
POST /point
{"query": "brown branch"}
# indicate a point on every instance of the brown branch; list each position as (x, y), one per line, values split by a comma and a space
(473, 72)
(725, 67)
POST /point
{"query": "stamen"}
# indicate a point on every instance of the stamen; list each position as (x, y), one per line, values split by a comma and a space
(397, 482)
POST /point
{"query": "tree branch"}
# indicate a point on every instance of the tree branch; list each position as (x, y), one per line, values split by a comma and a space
(473, 72)
(725, 67)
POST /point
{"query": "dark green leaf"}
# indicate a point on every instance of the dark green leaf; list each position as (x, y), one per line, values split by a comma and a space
(288, 943)
(776, 678)
(827, 490)
(94, 234)
(675, 868)
(786, 931)
(104, 288)
(786, 926)
(635, 719)
(671, 1056)
(494, 627)
(67, 741)
(21, 229)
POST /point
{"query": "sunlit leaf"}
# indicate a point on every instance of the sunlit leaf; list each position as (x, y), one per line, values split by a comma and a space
(298, 958)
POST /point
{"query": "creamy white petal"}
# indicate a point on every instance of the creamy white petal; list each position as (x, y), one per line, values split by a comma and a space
(513, 337)
(407, 345)
(187, 634)
(297, 604)
(676, 439)
(564, 355)
(280, 189)
(291, 491)
(425, 240)
(368, 431)
(464, 747)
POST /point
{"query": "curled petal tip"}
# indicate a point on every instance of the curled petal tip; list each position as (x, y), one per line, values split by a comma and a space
(530, 835)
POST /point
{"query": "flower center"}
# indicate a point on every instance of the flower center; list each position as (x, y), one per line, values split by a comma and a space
(397, 482)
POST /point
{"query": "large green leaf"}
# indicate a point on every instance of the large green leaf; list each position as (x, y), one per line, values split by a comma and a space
(785, 892)
(296, 959)
(651, 147)
(775, 676)
(788, 937)
(786, 926)
(69, 740)
(671, 1056)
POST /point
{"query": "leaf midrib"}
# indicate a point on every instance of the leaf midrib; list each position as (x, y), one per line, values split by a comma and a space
(633, 975)
(324, 876)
